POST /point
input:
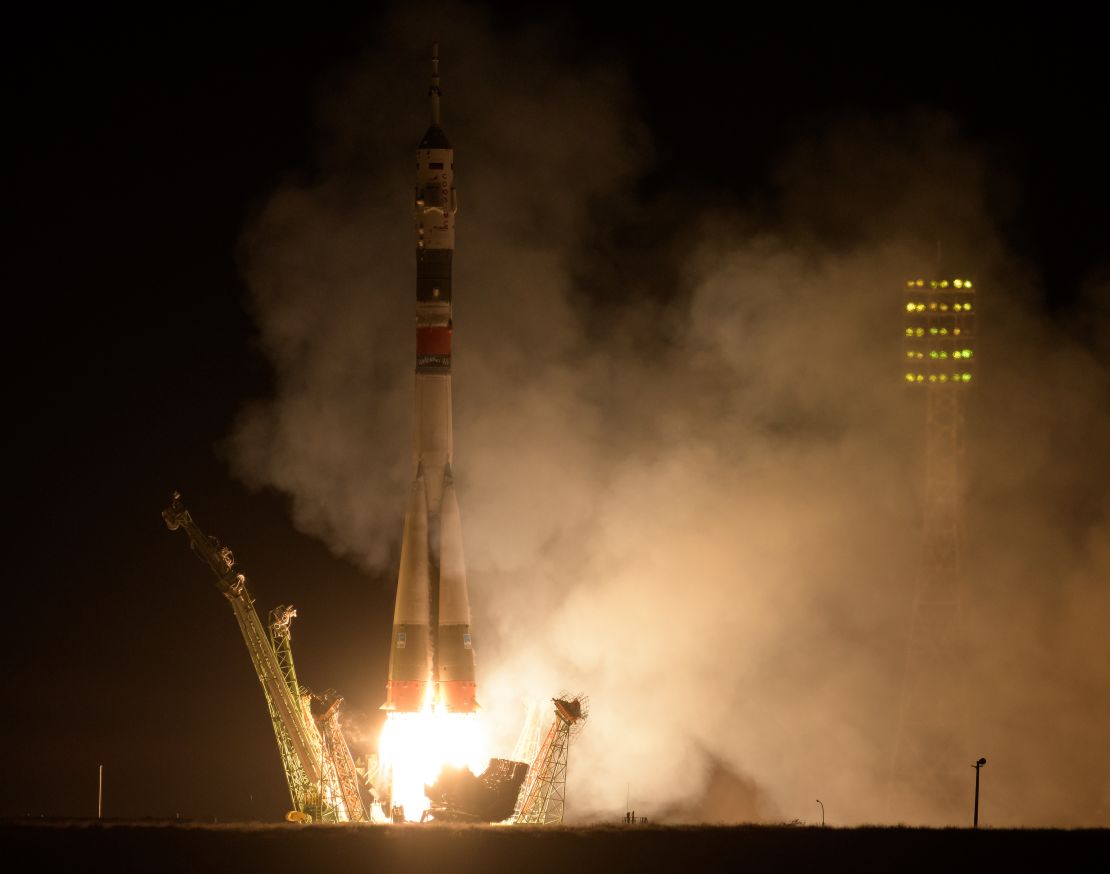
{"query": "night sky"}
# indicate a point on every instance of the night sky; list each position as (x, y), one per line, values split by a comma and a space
(139, 147)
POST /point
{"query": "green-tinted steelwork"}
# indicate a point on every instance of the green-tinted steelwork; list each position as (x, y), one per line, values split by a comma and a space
(347, 782)
(302, 766)
(329, 807)
(281, 619)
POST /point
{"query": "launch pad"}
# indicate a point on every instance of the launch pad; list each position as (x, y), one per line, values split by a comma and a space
(432, 762)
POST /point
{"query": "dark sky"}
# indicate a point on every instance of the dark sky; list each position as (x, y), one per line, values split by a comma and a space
(138, 147)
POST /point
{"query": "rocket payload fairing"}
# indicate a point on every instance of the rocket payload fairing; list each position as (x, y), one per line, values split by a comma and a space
(431, 657)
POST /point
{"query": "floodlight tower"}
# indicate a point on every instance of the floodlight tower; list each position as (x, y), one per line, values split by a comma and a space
(938, 362)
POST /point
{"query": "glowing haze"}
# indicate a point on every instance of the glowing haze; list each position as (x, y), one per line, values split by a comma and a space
(696, 503)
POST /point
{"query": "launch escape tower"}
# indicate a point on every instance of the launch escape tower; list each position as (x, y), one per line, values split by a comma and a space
(939, 354)
(317, 767)
(543, 795)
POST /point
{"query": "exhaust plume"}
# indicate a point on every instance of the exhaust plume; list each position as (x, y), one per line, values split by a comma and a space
(700, 506)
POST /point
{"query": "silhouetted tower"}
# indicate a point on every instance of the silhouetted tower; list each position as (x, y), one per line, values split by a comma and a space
(926, 774)
(544, 793)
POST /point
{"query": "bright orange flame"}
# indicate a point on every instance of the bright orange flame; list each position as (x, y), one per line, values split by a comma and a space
(415, 747)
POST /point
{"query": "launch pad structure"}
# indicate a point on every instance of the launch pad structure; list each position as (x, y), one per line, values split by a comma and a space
(939, 350)
(323, 783)
(544, 794)
(431, 692)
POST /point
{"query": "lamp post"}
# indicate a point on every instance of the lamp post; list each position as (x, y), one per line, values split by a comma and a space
(979, 764)
(822, 813)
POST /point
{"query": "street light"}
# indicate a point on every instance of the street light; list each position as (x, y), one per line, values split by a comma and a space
(977, 766)
(822, 813)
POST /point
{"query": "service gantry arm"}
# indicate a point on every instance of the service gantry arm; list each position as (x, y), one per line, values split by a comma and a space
(542, 799)
(329, 801)
(339, 755)
(301, 762)
(338, 804)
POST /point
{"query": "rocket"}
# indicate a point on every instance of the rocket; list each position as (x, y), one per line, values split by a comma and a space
(431, 656)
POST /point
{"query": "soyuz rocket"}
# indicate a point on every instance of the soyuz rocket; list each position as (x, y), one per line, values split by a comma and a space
(431, 656)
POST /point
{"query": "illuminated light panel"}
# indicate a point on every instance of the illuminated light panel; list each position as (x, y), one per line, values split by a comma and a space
(938, 330)
(954, 379)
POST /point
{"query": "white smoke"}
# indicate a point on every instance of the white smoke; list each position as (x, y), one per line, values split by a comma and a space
(700, 512)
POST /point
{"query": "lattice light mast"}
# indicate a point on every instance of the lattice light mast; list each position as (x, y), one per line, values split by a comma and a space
(939, 357)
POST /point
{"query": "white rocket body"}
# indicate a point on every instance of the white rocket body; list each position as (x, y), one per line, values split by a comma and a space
(434, 591)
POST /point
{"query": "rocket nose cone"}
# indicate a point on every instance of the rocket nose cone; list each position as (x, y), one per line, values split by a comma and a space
(435, 138)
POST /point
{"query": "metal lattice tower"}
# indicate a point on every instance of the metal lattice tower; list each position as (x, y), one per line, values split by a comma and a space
(330, 802)
(339, 754)
(544, 792)
(297, 738)
(926, 780)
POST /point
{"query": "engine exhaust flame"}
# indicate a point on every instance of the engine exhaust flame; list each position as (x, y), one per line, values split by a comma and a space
(416, 747)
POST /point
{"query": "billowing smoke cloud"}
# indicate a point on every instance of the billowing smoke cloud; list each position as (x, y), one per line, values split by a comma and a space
(700, 510)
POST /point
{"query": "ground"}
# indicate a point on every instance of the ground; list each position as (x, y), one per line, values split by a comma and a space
(46, 845)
